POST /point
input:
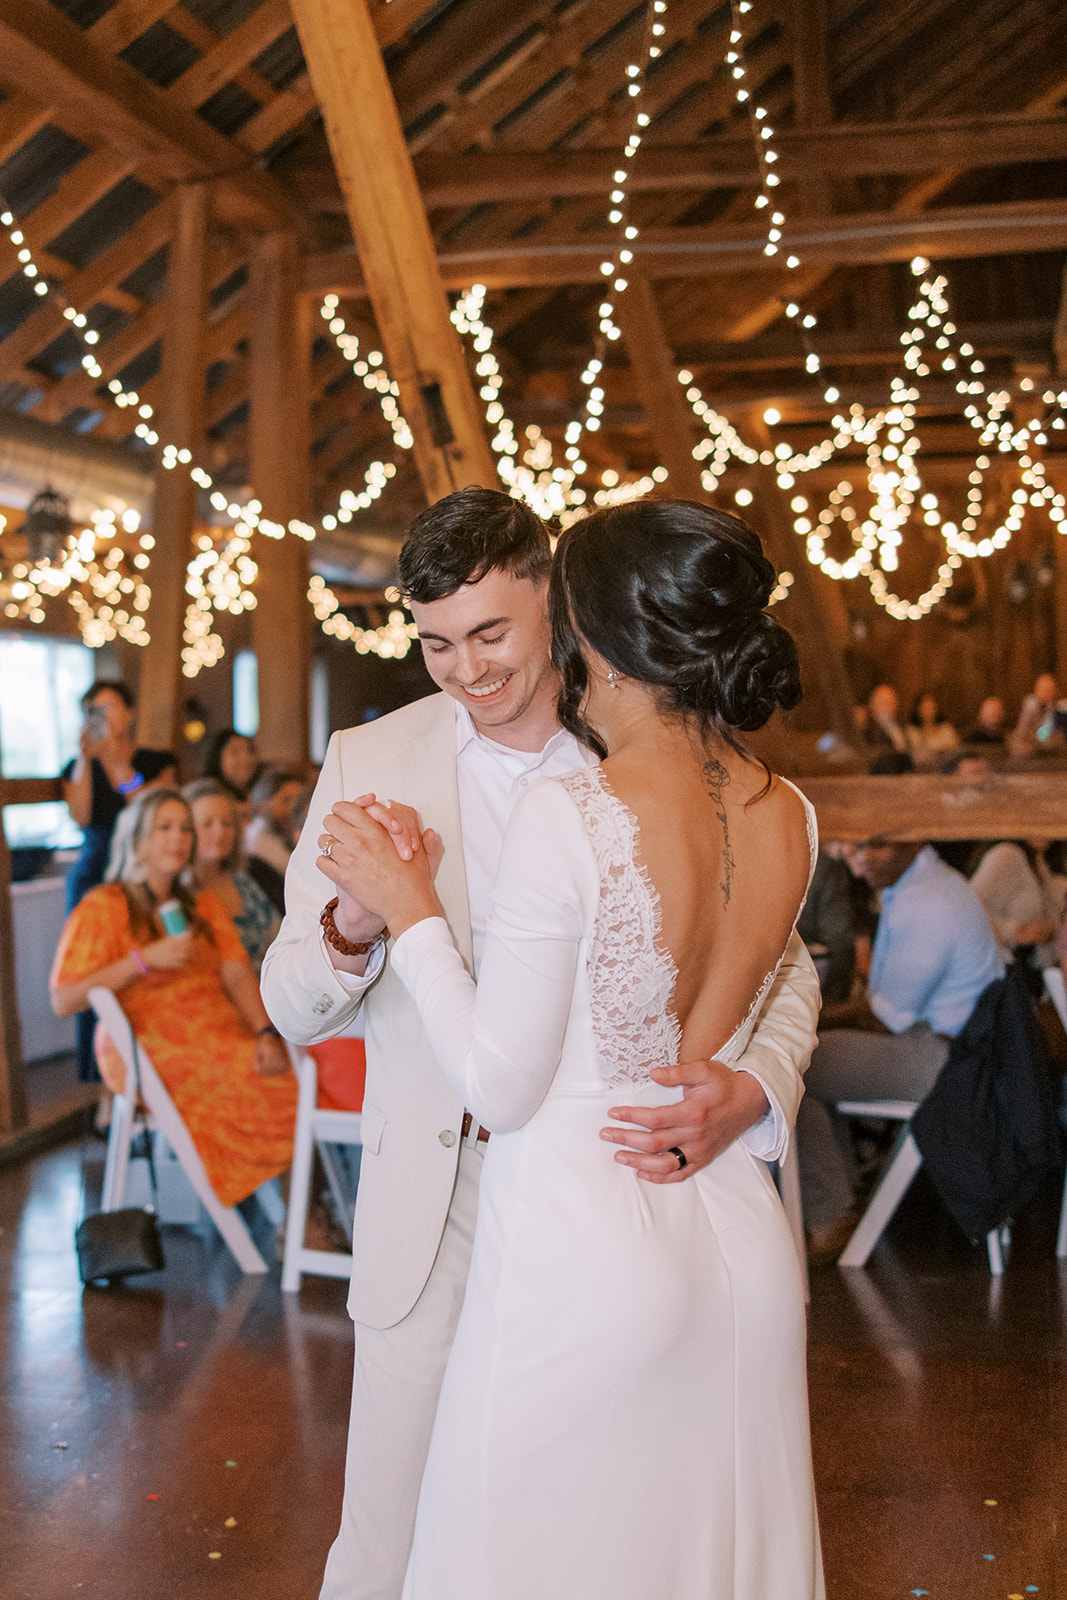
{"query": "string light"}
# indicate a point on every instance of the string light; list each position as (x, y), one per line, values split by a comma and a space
(618, 260)
(370, 368)
(218, 578)
(102, 573)
(391, 640)
(768, 199)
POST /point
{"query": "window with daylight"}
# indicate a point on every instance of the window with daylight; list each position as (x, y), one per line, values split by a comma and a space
(246, 693)
(41, 684)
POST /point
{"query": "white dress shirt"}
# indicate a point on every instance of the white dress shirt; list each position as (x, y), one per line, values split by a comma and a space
(491, 778)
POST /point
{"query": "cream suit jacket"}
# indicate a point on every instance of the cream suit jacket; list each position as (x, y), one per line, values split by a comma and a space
(411, 1117)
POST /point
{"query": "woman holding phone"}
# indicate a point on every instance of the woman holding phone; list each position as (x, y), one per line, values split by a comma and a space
(190, 996)
(97, 784)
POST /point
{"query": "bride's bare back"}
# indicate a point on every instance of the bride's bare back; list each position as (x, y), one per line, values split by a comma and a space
(730, 865)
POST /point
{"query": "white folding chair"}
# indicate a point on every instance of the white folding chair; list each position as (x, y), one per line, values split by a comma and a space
(322, 1129)
(894, 1183)
(143, 1081)
(1057, 992)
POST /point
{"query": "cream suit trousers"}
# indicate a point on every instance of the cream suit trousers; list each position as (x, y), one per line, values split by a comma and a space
(396, 1382)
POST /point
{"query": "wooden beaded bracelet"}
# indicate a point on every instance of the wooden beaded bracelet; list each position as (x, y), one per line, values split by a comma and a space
(337, 939)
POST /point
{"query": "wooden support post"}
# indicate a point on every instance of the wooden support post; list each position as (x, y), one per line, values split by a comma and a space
(279, 448)
(666, 409)
(396, 249)
(821, 661)
(174, 510)
(812, 102)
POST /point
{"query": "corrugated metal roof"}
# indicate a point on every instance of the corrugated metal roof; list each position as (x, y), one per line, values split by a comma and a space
(36, 170)
(112, 216)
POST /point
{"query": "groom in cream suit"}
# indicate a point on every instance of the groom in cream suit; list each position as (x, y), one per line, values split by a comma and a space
(475, 567)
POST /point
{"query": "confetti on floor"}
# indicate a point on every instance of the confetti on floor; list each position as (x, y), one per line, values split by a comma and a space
(214, 1555)
(61, 1444)
(991, 1502)
(231, 1463)
(231, 1522)
(151, 1497)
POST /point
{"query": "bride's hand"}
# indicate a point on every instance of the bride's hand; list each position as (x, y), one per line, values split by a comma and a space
(387, 869)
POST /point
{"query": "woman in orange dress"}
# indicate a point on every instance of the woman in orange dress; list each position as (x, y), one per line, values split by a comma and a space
(191, 998)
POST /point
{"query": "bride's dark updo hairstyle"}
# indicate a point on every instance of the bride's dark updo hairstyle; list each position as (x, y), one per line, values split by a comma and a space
(672, 594)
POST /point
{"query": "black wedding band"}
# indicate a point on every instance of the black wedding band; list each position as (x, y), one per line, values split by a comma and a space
(683, 1160)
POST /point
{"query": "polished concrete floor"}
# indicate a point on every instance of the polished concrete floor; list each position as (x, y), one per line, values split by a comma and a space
(185, 1438)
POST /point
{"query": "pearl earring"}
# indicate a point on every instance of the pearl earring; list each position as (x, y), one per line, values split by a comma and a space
(611, 678)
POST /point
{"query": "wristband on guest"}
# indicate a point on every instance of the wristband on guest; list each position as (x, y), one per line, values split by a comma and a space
(139, 962)
(131, 785)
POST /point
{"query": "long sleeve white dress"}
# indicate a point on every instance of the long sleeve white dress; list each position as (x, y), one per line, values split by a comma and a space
(624, 1415)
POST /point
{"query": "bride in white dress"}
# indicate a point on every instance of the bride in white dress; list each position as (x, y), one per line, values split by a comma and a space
(624, 1415)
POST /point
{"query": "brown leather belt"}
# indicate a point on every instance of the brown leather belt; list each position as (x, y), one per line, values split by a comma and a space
(465, 1128)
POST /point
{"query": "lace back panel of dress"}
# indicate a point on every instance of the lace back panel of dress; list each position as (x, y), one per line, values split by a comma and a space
(631, 974)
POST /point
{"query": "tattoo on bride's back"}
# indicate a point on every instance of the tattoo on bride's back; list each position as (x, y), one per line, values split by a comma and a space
(716, 777)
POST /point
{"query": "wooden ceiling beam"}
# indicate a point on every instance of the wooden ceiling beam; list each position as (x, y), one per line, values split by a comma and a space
(782, 350)
(472, 122)
(49, 56)
(21, 116)
(98, 281)
(396, 249)
(79, 389)
(465, 39)
(225, 58)
(392, 19)
(82, 187)
(126, 21)
(1008, 229)
(844, 150)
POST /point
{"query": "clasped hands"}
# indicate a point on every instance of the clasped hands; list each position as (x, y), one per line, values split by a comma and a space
(384, 864)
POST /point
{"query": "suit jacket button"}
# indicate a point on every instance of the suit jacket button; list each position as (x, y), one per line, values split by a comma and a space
(447, 1138)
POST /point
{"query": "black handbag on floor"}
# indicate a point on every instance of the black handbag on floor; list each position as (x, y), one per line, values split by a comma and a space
(113, 1245)
(118, 1244)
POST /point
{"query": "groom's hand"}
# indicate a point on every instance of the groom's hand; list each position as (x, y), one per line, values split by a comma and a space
(717, 1106)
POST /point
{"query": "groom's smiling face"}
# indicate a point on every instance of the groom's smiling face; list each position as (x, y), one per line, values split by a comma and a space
(487, 645)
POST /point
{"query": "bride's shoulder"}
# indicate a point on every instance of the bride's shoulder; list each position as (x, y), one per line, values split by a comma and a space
(784, 811)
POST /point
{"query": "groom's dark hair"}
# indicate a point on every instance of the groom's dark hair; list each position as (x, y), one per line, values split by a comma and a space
(467, 534)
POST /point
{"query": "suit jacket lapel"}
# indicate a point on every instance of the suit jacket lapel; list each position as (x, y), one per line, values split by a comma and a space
(426, 771)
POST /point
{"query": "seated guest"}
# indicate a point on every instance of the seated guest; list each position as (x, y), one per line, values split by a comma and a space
(1023, 899)
(934, 953)
(190, 997)
(826, 924)
(1041, 720)
(97, 785)
(990, 728)
(929, 736)
(220, 867)
(232, 761)
(269, 836)
(883, 731)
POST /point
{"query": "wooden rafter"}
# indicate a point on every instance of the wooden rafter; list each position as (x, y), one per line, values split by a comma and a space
(1008, 229)
(48, 56)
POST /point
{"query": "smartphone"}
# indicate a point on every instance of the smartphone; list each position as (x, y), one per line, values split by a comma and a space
(96, 722)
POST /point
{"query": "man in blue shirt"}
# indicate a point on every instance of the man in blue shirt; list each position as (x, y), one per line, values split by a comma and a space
(934, 953)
